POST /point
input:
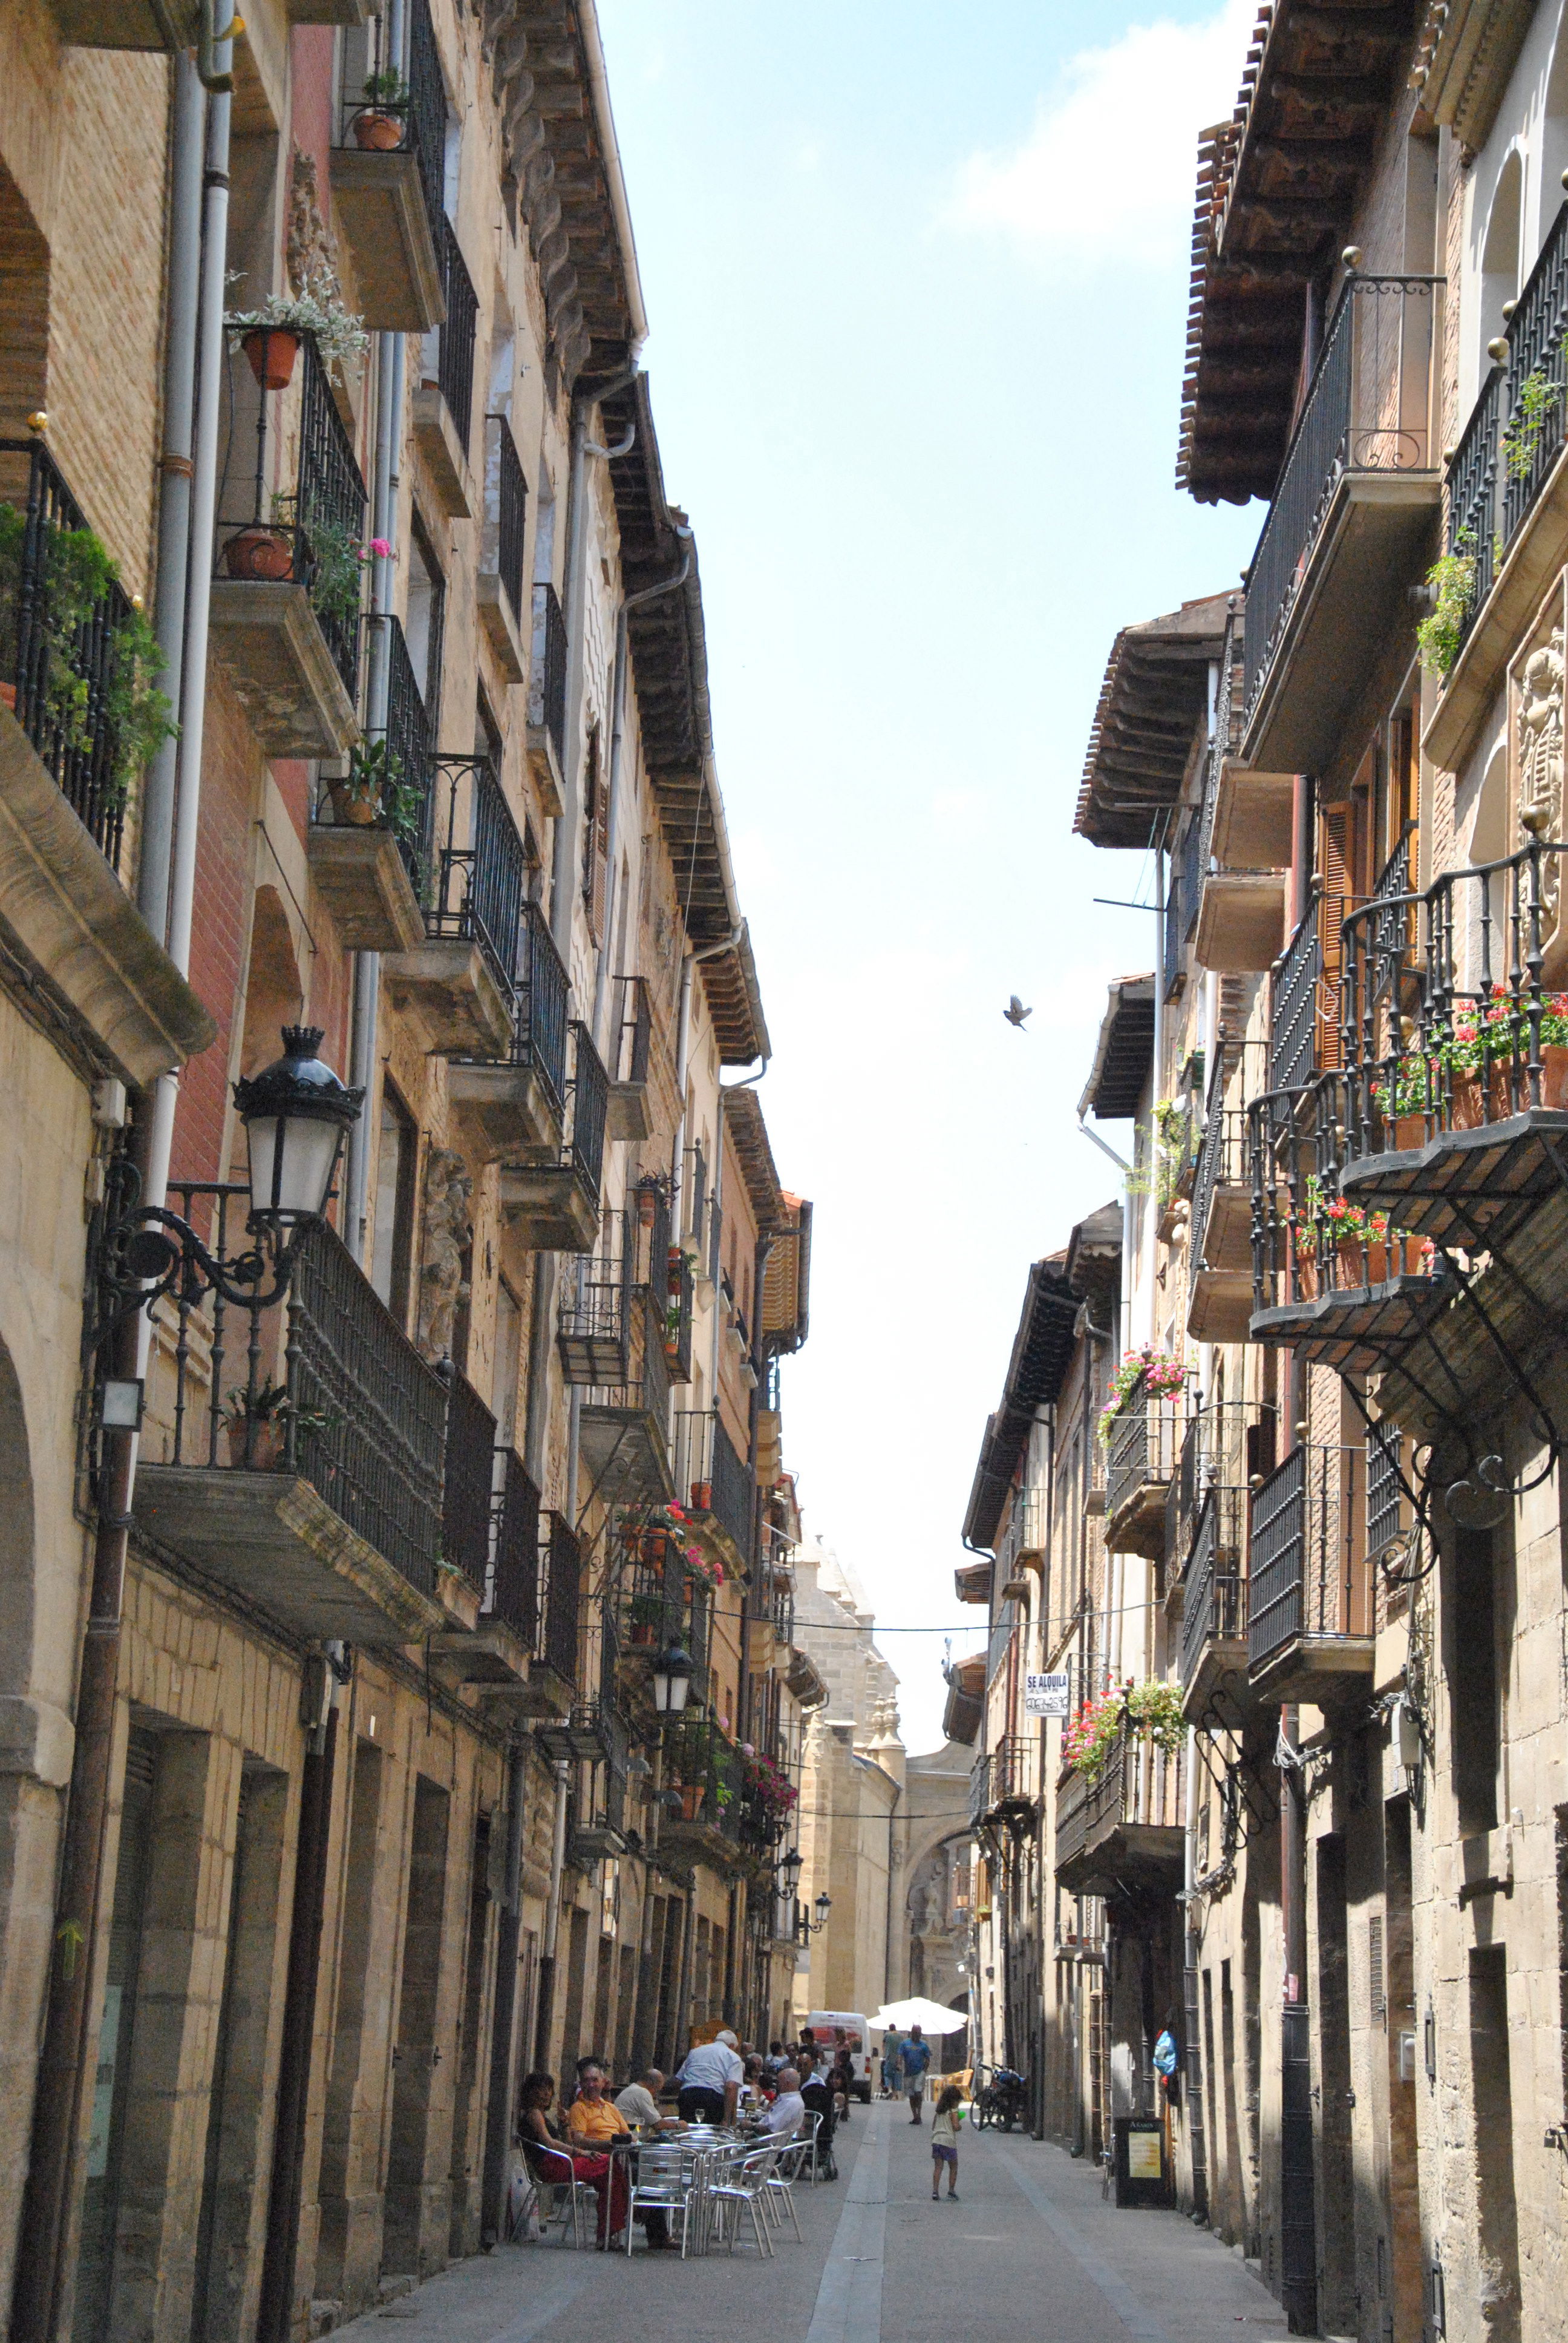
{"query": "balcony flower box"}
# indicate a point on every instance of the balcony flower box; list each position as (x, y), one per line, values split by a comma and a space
(1151, 1711)
(1162, 1378)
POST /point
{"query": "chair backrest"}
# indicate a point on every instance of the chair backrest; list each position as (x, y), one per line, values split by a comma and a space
(659, 2163)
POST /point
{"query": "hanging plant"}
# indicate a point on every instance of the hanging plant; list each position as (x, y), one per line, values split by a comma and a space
(1163, 1378)
(1451, 581)
(1151, 1711)
(340, 337)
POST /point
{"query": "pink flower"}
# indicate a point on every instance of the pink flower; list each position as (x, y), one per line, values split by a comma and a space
(380, 549)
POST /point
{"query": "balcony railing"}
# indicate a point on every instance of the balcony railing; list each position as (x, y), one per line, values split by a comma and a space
(547, 680)
(422, 115)
(631, 1030)
(325, 1385)
(1222, 1163)
(67, 668)
(594, 1328)
(1449, 1024)
(455, 358)
(559, 1599)
(1368, 409)
(1214, 1606)
(589, 1105)
(1517, 428)
(1307, 1572)
(510, 512)
(539, 1027)
(705, 1773)
(468, 1497)
(1309, 1243)
(410, 756)
(1144, 1442)
(1293, 1024)
(329, 507)
(1388, 1509)
(480, 872)
(733, 1492)
(1137, 1792)
(1013, 1771)
(512, 1595)
(1227, 1445)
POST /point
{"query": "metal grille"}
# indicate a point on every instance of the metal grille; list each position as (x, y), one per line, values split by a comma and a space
(455, 362)
(1368, 409)
(1174, 930)
(65, 706)
(1215, 1606)
(330, 497)
(591, 1104)
(594, 1319)
(1144, 1444)
(1194, 863)
(511, 514)
(409, 755)
(539, 1032)
(469, 1488)
(732, 1492)
(372, 1415)
(1385, 1498)
(514, 1590)
(560, 1592)
(1278, 1558)
(1292, 1031)
(547, 682)
(480, 866)
(1472, 489)
(1222, 1161)
(427, 113)
(1536, 355)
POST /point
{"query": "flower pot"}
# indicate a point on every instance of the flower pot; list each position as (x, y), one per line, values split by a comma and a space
(352, 807)
(8, 694)
(702, 1496)
(1408, 1134)
(691, 1800)
(259, 552)
(377, 132)
(1554, 1076)
(642, 1634)
(1353, 1264)
(272, 350)
(265, 1442)
(1306, 1281)
(1506, 1096)
(1464, 1092)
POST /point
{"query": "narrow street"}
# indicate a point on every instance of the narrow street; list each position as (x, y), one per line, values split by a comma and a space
(1030, 2248)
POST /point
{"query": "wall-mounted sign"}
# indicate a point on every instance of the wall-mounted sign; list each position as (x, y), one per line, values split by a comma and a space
(1045, 1695)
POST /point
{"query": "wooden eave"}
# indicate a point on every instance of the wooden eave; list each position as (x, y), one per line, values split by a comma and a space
(1278, 187)
(556, 65)
(1154, 693)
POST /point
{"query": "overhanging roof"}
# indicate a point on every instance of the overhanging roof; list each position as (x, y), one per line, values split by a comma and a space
(1125, 1050)
(1278, 187)
(748, 1130)
(787, 1280)
(1154, 694)
(1041, 1349)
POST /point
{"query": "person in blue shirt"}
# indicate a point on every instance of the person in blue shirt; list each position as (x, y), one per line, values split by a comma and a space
(914, 2057)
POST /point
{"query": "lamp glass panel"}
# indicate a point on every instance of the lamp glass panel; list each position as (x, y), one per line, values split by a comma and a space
(291, 1163)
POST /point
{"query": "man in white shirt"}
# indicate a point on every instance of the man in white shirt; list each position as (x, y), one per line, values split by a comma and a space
(638, 2103)
(710, 2081)
(784, 2114)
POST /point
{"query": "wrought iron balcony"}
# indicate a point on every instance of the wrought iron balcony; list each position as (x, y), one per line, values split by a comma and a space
(1010, 1786)
(455, 356)
(1298, 1025)
(624, 1424)
(548, 694)
(707, 1784)
(300, 1457)
(717, 1482)
(1220, 1244)
(515, 1105)
(630, 1038)
(388, 182)
(1309, 1625)
(981, 1800)
(68, 668)
(1215, 1596)
(594, 1322)
(559, 1614)
(480, 867)
(550, 1194)
(1140, 1454)
(1227, 1444)
(1126, 1828)
(468, 1495)
(1352, 512)
(288, 592)
(512, 1594)
(506, 496)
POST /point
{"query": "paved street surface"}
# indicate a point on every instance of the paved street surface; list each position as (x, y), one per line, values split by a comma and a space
(1029, 2249)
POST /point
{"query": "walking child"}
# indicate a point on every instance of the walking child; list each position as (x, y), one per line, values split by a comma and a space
(945, 2140)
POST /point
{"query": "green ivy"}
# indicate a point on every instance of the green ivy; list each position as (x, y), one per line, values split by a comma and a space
(1452, 579)
(335, 566)
(1538, 396)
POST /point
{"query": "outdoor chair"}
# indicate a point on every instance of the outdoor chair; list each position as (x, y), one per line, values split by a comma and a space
(555, 2171)
(664, 2181)
(743, 2192)
(778, 2186)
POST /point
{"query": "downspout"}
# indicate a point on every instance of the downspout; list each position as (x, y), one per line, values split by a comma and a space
(40, 2276)
(1151, 1192)
(1193, 1946)
(389, 363)
(504, 2022)
(562, 1769)
(1049, 1415)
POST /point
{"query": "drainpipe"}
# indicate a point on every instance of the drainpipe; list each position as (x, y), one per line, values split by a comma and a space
(389, 362)
(1192, 1944)
(1298, 2207)
(503, 2023)
(1152, 1194)
(52, 2177)
(562, 1769)
(281, 2254)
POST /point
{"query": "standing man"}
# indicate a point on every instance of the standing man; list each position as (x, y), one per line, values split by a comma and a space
(914, 2057)
(710, 2081)
(890, 2064)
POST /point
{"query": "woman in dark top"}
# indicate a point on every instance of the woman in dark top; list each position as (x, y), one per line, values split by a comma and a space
(553, 2158)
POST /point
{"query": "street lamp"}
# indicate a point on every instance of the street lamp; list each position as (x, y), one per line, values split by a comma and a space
(806, 1928)
(296, 1115)
(789, 1865)
(671, 1680)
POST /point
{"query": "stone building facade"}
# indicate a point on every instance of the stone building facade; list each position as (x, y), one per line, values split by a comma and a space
(1307, 1583)
(334, 1792)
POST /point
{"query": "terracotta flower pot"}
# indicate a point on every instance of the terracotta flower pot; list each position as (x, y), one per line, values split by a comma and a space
(380, 133)
(266, 1443)
(8, 695)
(259, 552)
(1408, 1132)
(642, 1634)
(1464, 1090)
(702, 1496)
(1554, 1076)
(359, 811)
(1352, 1261)
(690, 1799)
(1306, 1274)
(272, 350)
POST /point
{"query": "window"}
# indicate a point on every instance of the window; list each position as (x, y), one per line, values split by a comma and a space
(396, 1162)
(425, 625)
(596, 835)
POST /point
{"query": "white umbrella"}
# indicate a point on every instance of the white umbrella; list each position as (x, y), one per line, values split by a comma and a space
(930, 2017)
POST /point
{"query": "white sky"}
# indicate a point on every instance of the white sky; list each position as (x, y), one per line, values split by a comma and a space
(917, 280)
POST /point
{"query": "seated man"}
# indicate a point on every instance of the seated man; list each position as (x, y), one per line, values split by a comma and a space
(638, 2103)
(710, 2081)
(784, 2114)
(592, 2122)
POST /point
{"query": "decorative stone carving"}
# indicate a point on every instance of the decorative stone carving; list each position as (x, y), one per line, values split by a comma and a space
(448, 1227)
(310, 251)
(1535, 697)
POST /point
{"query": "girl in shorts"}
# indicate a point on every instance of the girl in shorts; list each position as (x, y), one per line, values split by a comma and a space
(945, 2140)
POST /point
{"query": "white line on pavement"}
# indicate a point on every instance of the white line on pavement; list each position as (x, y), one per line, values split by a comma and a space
(849, 2298)
(1138, 2321)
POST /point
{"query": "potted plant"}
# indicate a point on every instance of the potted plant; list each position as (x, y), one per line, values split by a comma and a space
(1554, 1053)
(374, 790)
(1162, 1378)
(702, 1496)
(690, 1799)
(256, 1426)
(270, 337)
(261, 549)
(647, 1610)
(378, 126)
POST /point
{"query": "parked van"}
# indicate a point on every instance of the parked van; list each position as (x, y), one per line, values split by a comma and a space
(820, 2024)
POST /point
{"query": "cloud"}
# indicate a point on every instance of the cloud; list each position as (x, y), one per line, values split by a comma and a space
(1106, 175)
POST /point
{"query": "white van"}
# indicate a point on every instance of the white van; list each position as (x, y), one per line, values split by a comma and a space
(822, 2023)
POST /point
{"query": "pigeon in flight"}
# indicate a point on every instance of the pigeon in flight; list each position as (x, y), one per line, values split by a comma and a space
(1015, 1012)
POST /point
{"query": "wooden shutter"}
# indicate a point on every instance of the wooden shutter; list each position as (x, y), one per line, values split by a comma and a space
(1335, 843)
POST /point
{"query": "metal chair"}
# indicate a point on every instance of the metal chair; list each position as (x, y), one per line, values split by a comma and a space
(744, 2191)
(556, 2171)
(661, 2183)
(810, 2124)
(778, 2185)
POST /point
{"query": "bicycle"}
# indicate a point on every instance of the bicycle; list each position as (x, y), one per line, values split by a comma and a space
(1003, 2101)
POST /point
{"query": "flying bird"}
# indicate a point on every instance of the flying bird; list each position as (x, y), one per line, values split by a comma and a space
(1015, 1012)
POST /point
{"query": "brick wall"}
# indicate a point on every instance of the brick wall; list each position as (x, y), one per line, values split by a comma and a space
(232, 776)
